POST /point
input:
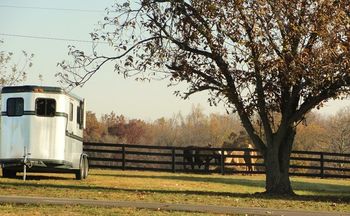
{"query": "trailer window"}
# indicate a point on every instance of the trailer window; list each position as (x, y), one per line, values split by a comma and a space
(45, 107)
(15, 106)
(78, 116)
(70, 112)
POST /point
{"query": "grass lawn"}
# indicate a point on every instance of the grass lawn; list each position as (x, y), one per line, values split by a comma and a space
(40, 210)
(230, 190)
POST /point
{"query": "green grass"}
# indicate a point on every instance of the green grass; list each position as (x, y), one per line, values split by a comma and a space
(233, 190)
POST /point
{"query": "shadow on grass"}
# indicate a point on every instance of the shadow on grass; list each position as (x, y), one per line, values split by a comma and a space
(193, 178)
(315, 187)
(94, 188)
(41, 177)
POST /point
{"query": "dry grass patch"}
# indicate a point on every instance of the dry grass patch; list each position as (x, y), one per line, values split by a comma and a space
(41, 210)
(237, 190)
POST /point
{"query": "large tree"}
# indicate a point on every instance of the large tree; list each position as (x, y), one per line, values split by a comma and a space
(260, 58)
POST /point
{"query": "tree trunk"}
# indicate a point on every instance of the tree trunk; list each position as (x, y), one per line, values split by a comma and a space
(277, 159)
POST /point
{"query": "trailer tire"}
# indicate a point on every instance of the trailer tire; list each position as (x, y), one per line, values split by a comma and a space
(7, 173)
(86, 167)
(81, 173)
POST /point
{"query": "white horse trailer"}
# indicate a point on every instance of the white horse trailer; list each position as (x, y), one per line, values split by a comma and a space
(42, 131)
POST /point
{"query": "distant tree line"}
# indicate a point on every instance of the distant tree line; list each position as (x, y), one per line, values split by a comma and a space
(315, 133)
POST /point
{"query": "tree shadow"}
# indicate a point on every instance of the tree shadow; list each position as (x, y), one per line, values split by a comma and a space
(298, 185)
(229, 181)
(335, 199)
(328, 198)
(313, 187)
(321, 187)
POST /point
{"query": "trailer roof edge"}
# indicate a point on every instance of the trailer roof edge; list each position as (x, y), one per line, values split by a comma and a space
(37, 89)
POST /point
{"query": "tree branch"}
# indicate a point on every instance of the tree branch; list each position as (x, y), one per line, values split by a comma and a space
(259, 85)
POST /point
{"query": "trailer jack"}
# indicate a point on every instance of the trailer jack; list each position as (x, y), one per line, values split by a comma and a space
(26, 163)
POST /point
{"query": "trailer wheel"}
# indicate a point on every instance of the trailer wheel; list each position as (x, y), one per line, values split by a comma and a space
(82, 173)
(86, 167)
(7, 173)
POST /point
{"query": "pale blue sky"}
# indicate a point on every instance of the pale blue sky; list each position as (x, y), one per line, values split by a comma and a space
(106, 91)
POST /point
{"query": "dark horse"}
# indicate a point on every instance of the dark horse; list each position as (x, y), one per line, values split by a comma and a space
(197, 156)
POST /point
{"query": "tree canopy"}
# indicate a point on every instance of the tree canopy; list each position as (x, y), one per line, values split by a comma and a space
(258, 57)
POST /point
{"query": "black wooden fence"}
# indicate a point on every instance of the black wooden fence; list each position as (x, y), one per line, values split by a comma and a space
(164, 158)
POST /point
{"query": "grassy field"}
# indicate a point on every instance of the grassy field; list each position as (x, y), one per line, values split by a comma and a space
(237, 190)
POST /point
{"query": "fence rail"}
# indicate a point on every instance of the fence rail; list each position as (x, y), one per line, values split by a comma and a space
(173, 159)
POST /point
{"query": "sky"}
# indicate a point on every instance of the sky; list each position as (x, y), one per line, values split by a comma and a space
(24, 24)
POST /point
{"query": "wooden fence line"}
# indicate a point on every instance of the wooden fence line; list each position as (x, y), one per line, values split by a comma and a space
(166, 158)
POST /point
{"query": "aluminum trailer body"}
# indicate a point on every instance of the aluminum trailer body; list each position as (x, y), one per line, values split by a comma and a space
(42, 131)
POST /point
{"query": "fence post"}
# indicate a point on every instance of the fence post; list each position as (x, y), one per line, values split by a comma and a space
(222, 161)
(173, 159)
(123, 157)
(322, 165)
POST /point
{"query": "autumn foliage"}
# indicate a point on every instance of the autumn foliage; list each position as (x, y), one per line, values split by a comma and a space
(317, 133)
(196, 129)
